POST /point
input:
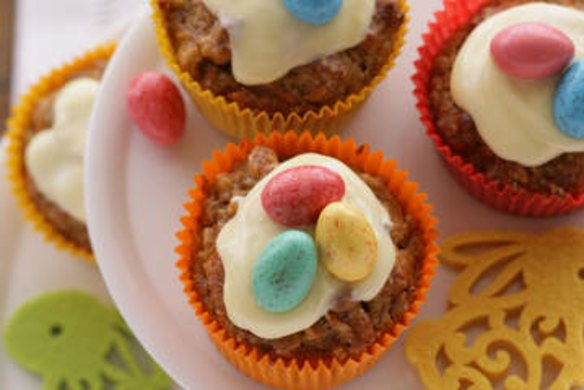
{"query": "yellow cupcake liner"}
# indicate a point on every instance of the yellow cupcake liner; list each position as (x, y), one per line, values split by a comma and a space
(239, 122)
(17, 128)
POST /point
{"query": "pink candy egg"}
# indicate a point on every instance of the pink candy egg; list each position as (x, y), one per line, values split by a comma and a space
(531, 51)
(296, 196)
(157, 108)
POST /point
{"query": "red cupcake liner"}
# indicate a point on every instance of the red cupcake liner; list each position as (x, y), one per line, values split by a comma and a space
(502, 196)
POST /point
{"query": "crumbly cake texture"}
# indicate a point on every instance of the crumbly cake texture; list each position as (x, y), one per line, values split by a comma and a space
(32, 114)
(203, 50)
(560, 176)
(351, 327)
(42, 119)
(324, 371)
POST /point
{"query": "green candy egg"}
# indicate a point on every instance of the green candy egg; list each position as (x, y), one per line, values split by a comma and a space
(285, 271)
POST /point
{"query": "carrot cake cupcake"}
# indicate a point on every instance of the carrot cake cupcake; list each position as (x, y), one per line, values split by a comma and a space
(46, 139)
(279, 60)
(305, 258)
(492, 89)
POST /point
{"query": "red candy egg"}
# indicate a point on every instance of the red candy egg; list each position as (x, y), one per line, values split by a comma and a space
(157, 108)
(296, 196)
(531, 51)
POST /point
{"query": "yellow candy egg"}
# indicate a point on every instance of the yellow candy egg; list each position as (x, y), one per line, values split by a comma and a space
(346, 242)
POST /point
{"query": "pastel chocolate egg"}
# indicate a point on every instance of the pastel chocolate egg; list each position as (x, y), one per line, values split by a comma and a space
(314, 11)
(156, 106)
(297, 195)
(530, 51)
(285, 271)
(346, 242)
(569, 101)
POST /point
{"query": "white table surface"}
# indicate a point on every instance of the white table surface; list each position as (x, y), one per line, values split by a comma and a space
(49, 32)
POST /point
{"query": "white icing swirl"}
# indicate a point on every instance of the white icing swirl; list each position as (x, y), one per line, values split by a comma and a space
(267, 41)
(54, 157)
(244, 237)
(514, 117)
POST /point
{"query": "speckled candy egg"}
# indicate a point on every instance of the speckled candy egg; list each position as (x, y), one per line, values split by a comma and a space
(314, 11)
(346, 242)
(531, 51)
(285, 271)
(156, 106)
(296, 196)
(569, 101)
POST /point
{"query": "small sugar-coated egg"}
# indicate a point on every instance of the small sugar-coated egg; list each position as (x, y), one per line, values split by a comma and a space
(569, 101)
(285, 271)
(314, 11)
(531, 51)
(296, 196)
(346, 242)
(156, 107)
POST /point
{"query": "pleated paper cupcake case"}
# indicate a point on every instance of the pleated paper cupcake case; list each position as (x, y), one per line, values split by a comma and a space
(294, 374)
(17, 126)
(239, 122)
(501, 196)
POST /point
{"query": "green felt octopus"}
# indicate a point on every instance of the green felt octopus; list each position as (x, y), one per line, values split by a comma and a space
(76, 343)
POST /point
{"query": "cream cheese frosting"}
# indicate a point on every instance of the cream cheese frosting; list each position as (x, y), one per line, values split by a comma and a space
(244, 237)
(514, 117)
(54, 157)
(267, 41)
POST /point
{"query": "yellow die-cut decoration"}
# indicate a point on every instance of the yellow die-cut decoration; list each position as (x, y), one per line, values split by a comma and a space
(515, 318)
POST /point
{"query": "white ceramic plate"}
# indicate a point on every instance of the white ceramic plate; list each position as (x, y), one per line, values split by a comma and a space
(136, 189)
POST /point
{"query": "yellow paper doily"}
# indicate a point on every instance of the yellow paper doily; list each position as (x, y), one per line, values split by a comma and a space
(516, 315)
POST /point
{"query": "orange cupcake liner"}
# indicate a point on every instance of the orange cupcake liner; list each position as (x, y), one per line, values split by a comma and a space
(502, 196)
(17, 127)
(239, 122)
(293, 374)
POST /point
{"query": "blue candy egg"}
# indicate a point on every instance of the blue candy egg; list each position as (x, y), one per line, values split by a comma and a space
(285, 271)
(569, 101)
(314, 11)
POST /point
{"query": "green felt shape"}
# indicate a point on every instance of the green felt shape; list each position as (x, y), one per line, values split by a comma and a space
(75, 342)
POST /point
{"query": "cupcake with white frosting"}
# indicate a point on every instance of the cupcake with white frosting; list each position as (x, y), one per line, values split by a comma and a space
(305, 257)
(264, 65)
(497, 91)
(46, 139)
